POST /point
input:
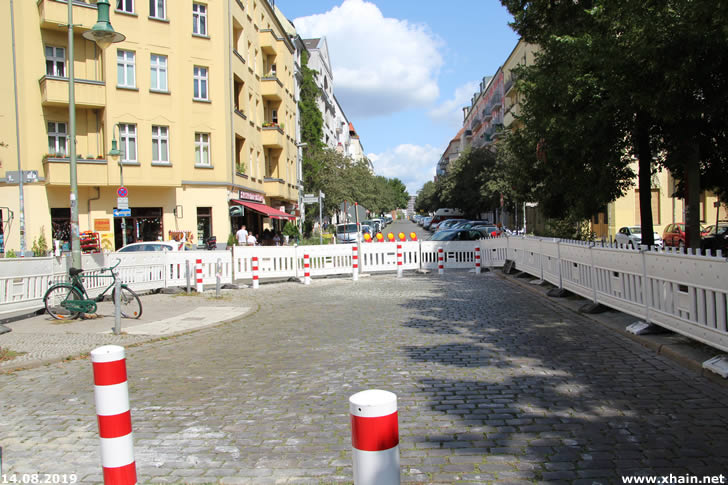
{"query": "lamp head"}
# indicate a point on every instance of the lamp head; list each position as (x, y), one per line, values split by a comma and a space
(114, 153)
(102, 32)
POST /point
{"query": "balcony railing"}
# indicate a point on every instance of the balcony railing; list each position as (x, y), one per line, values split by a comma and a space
(89, 94)
(55, 12)
(271, 87)
(273, 136)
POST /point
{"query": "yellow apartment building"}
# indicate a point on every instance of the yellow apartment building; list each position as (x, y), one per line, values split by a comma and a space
(200, 96)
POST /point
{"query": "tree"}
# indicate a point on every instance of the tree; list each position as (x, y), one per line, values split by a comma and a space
(426, 200)
(654, 74)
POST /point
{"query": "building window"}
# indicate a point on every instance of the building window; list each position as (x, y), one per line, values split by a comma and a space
(157, 9)
(202, 149)
(199, 19)
(125, 69)
(160, 144)
(55, 61)
(200, 83)
(57, 139)
(61, 224)
(159, 72)
(204, 224)
(127, 133)
(126, 6)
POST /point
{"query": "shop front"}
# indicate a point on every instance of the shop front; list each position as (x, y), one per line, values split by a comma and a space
(250, 209)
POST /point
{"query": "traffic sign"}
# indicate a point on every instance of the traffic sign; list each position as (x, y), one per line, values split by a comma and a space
(310, 195)
(310, 200)
(122, 192)
(122, 212)
(122, 202)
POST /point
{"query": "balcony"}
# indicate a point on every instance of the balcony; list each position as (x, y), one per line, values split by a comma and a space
(276, 188)
(268, 42)
(273, 137)
(54, 14)
(89, 94)
(89, 172)
(271, 88)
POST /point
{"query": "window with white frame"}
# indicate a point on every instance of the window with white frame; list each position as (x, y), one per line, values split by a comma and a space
(128, 135)
(200, 83)
(202, 149)
(57, 138)
(126, 6)
(158, 67)
(125, 69)
(55, 61)
(199, 19)
(160, 144)
(158, 9)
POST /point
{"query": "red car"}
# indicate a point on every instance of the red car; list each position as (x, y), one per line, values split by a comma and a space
(674, 235)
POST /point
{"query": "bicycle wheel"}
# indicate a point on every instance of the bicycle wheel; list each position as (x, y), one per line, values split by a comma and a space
(131, 306)
(57, 294)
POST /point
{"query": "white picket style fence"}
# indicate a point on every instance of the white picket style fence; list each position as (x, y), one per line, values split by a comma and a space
(686, 293)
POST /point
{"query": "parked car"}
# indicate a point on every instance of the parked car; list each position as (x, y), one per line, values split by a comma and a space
(366, 229)
(717, 238)
(632, 236)
(446, 224)
(378, 224)
(674, 235)
(456, 235)
(150, 246)
(437, 219)
(347, 233)
(488, 231)
(426, 222)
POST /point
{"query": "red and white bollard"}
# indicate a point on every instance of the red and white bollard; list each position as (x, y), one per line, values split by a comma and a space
(440, 261)
(399, 260)
(254, 266)
(355, 262)
(198, 275)
(375, 437)
(477, 260)
(111, 393)
(306, 269)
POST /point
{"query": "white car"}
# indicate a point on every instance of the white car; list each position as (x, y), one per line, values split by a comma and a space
(631, 236)
(150, 246)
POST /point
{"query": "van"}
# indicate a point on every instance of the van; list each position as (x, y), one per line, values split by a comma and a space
(452, 213)
(347, 233)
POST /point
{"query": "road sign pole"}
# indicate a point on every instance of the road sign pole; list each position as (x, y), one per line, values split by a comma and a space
(123, 219)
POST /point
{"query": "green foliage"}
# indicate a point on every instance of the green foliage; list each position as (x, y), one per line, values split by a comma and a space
(10, 253)
(570, 227)
(312, 121)
(40, 245)
(427, 199)
(291, 230)
(231, 240)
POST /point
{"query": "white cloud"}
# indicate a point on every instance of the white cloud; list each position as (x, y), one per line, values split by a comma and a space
(451, 111)
(412, 164)
(381, 65)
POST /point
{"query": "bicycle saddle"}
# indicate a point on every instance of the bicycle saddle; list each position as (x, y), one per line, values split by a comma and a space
(75, 271)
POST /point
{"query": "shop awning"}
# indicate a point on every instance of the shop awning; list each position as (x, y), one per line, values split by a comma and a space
(264, 209)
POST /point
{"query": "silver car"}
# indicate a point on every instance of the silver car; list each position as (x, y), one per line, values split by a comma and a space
(631, 236)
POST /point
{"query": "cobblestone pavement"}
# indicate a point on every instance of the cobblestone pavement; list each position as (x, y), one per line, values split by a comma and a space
(495, 385)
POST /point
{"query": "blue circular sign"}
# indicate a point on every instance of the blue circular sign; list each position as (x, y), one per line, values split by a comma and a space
(122, 192)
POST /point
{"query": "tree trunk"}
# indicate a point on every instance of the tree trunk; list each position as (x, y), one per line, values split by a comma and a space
(644, 155)
(692, 196)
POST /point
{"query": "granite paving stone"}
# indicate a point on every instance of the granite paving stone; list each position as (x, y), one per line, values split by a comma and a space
(495, 385)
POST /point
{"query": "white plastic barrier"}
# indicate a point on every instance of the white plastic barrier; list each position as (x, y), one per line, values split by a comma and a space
(494, 251)
(23, 282)
(175, 267)
(273, 261)
(327, 259)
(383, 256)
(458, 254)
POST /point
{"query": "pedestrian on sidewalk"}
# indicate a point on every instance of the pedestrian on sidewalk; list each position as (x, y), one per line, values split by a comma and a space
(242, 236)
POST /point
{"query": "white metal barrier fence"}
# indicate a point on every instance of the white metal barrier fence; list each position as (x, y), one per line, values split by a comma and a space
(686, 293)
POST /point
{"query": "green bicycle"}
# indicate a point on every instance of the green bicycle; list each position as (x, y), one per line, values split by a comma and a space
(67, 301)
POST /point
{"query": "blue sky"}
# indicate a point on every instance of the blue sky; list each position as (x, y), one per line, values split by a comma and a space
(403, 70)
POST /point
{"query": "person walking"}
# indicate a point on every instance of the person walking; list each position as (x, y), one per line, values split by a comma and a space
(252, 241)
(242, 236)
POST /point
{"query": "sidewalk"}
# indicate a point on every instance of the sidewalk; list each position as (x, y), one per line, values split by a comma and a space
(43, 340)
(687, 352)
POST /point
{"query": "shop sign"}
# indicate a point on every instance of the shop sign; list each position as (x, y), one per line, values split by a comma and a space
(102, 225)
(243, 195)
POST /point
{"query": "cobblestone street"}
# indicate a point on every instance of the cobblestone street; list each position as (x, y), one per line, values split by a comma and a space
(495, 385)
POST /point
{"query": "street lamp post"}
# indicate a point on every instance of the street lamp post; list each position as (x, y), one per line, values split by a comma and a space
(115, 155)
(104, 35)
